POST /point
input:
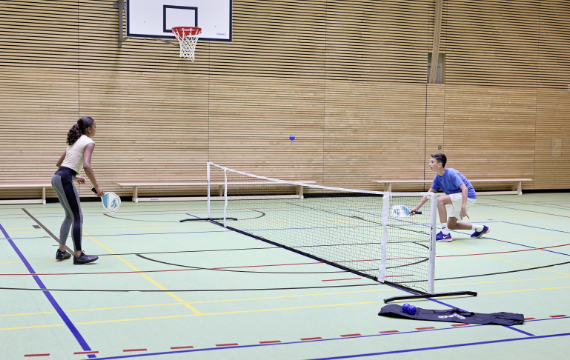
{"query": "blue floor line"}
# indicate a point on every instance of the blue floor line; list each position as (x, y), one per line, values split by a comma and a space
(325, 340)
(519, 330)
(49, 296)
(441, 347)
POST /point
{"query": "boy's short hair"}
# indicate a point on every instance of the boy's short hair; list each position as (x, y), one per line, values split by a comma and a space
(440, 158)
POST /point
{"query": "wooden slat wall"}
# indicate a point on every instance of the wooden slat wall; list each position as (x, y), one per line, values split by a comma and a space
(347, 78)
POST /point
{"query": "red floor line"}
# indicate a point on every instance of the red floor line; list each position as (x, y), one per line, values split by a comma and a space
(129, 350)
(529, 318)
(29, 355)
(347, 335)
(342, 279)
(459, 324)
(388, 331)
(270, 265)
(555, 316)
(270, 342)
(425, 328)
(234, 344)
(313, 338)
(85, 352)
(181, 347)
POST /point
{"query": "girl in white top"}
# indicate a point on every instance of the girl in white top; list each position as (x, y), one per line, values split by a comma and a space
(77, 155)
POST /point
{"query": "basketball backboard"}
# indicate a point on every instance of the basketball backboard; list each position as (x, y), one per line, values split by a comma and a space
(156, 18)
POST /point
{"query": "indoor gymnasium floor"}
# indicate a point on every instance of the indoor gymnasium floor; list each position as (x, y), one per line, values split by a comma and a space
(232, 302)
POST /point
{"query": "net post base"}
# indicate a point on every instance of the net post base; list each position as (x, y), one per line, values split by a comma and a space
(207, 219)
(429, 296)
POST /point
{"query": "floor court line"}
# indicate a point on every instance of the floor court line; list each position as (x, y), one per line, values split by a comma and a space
(497, 258)
(347, 338)
(82, 342)
(193, 309)
(286, 296)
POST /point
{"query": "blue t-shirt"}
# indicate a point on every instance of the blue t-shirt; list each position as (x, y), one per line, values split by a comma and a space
(450, 182)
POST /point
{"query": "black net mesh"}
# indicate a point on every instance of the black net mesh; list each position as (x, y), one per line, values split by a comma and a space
(338, 226)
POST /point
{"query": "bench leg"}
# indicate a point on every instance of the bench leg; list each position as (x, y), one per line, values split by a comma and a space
(517, 187)
(135, 194)
(44, 195)
(221, 190)
(300, 191)
(387, 187)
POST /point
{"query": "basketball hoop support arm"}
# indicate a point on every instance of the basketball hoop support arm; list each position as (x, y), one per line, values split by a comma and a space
(121, 6)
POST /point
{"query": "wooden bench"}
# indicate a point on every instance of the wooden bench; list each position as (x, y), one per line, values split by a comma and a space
(136, 186)
(26, 186)
(516, 187)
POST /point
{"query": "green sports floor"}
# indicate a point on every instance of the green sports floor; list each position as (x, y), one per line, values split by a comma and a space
(185, 305)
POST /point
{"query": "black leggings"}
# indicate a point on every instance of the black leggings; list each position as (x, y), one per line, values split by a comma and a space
(62, 182)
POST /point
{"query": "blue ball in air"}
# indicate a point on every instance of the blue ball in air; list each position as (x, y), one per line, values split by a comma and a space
(292, 137)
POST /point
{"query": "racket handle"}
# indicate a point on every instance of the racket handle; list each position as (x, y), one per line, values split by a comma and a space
(417, 212)
(93, 189)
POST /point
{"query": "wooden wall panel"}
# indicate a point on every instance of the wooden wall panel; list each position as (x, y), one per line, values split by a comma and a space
(490, 131)
(150, 126)
(554, 40)
(252, 118)
(435, 127)
(373, 132)
(552, 149)
(377, 40)
(37, 105)
(346, 77)
(492, 42)
(273, 38)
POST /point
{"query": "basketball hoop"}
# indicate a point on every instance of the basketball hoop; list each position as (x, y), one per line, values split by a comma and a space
(187, 37)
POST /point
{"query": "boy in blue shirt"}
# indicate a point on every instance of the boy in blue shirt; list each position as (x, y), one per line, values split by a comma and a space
(459, 194)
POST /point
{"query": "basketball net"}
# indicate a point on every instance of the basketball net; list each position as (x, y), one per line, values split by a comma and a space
(187, 37)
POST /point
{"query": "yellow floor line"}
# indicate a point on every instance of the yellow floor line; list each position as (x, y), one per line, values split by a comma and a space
(523, 290)
(497, 258)
(288, 296)
(144, 275)
(504, 281)
(228, 312)
(258, 310)
(36, 313)
(30, 327)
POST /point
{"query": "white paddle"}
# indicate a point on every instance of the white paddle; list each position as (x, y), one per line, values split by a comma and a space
(402, 212)
(110, 201)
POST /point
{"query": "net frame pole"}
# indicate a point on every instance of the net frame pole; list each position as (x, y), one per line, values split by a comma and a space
(208, 181)
(414, 295)
(383, 250)
(432, 244)
(225, 195)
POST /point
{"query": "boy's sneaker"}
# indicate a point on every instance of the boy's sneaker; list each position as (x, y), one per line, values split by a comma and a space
(84, 259)
(62, 255)
(441, 237)
(478, 234)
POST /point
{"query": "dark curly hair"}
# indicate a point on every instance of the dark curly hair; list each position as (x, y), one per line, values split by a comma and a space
(77, 130)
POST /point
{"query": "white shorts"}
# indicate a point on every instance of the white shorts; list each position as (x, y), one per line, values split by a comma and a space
(454, 209)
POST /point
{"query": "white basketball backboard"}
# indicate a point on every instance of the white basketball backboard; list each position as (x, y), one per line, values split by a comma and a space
(156, 18)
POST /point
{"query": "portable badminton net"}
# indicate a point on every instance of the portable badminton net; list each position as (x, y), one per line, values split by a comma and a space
(353, 230)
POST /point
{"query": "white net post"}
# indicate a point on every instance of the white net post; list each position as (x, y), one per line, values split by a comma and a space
(383, 251)
(433, 232)
(208, 172)
(225, 194)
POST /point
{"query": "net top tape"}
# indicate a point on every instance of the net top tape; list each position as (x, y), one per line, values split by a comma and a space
(425, 193)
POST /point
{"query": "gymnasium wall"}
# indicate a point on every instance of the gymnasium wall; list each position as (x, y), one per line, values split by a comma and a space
(347, 78)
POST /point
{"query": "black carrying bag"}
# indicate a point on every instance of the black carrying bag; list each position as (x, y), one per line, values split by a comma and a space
(454, 315)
